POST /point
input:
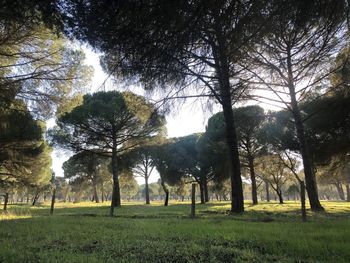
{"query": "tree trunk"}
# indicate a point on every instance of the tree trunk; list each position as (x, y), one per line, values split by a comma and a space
(302, 199)
(310, 180)
(166, 191)
(115, 202)
(147, 190)
(201, 190)
(253, 180)
(35, 198)
(206, 193)
(95, 191)
(6, 200)
(222, 71)
(267, 189)
(193, 201)
(347, 192)
(340, 190)
(53, 199)
(102, 193)
(280, 197)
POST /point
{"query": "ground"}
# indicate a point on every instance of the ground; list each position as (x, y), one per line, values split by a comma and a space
(83, 232)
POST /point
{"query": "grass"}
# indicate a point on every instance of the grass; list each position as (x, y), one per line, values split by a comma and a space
(84, 233)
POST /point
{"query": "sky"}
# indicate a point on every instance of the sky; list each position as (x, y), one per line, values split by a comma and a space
(189, 117)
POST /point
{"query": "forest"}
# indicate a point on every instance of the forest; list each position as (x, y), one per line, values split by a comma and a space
(267, 179)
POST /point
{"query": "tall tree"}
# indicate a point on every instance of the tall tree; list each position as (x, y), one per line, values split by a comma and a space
(293, 59)
(181, 43)
(249, 121)
(109, 123)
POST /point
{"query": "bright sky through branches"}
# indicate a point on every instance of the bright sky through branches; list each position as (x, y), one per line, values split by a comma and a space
(186, 119)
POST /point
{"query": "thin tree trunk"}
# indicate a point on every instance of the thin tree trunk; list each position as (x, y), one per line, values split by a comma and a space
(193, 201)
(302, 199)
(201, 190)
(280, 197)
(102, 193)
(35, 199)
(147, 190)
(347, 192)
(6, 200)
(310, 180)
(267, 189)
(115, 202)
(206, 193)
(253, 180)
(53, 199)
(166, 191)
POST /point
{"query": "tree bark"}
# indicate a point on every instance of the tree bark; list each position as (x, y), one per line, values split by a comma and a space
(102, 193)
(53, 199)
(253, 180)
(267, 189)
(147, 190)
(347, 192)
(310, 180)
(166, 191)
(115, 202)
(222, 71)
(35, 198)
(237, 200)
(201, 190)
(302, 199)
(206, 193)
(193, 201)
(6, 200)
(280, 196)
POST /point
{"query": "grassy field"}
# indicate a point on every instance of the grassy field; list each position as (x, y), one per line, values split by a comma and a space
(138, 233)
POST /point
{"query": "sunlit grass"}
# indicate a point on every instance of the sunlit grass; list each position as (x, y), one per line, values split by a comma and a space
(289, 210)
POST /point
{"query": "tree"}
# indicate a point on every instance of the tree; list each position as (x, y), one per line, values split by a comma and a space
(25, 156)
(293, 59)
(249, 121)
(143, 159)
(182, 43)
(161, 160)
(84, 166)
(128, 185)
(183, 163)
(36, 64)
(108, 123)
(272, 170)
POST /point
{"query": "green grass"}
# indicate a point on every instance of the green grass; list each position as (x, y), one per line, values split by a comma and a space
(139, 233)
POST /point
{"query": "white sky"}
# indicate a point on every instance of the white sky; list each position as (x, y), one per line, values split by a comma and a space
(186, 119)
